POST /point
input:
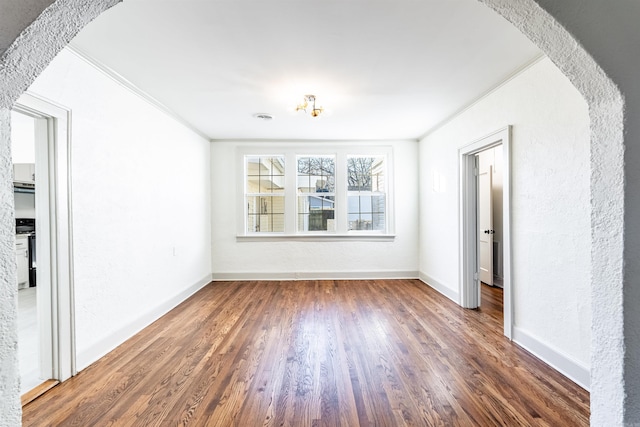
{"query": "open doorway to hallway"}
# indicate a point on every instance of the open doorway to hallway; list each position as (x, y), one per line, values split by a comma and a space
(492, 302)
(490, 230)
(489, 164)
(30, 352)
(40, 146)
(478, 164)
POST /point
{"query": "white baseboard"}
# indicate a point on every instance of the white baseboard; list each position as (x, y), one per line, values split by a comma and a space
(562, 363)
(316, 275)
(89, 355)
(444, 290)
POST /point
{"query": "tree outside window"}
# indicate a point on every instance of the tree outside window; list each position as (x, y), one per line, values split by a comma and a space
(366, 200)
(316, 193)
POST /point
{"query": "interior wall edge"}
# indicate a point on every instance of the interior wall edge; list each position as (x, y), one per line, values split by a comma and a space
(561, 362)
(87, 356)
(120, 80)
(515, 74)
(315, 275)
(447, 291)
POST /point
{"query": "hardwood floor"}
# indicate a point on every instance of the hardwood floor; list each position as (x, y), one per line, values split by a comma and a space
(307, 353)
(28, 339)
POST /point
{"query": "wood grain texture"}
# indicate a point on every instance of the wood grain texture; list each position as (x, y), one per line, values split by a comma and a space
(38, 391)
(318, 353)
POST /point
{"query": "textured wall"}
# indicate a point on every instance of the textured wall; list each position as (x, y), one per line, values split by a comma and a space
(550, 203)
(20, 63)
(609, 32)
(140, 188)
(615, 244)
(22, 13)
(9, 378)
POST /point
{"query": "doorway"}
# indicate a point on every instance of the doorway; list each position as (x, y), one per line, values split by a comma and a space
(47, 352)
(476, 229)
(489, 165)
(23, 143)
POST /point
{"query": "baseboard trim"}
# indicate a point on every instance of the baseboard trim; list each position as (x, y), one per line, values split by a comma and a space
(316, 275)
(562, 363)
(444, 290)
(109, 343)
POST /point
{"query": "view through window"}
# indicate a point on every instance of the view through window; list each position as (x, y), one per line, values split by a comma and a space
(265, 193)
(335, 193)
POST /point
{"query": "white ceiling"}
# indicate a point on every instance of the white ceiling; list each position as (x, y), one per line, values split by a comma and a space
(386, 69)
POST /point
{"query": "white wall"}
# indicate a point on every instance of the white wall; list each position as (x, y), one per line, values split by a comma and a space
(141, 205)
(23, 151)
(23, 138)
(550, 205)
(308, 259)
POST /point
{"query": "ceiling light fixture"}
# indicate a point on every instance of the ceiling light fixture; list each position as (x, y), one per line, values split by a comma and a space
(309, 106)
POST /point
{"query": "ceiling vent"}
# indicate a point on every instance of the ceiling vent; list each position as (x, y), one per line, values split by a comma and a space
(263, 116)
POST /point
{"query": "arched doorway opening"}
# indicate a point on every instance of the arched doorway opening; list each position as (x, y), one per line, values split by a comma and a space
(37, 46)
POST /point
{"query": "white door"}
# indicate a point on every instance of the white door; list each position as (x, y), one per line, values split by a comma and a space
(485, 218)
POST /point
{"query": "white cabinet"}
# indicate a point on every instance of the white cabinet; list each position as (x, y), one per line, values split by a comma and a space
(22, 257)
(24, 173)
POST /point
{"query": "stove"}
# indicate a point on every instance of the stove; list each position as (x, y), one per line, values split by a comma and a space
(28, 226)
(25, 225)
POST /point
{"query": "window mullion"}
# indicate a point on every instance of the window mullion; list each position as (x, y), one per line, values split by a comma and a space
(290, 193)
(341, 192)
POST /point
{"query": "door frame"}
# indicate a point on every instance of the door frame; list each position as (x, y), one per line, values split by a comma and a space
(469, 286)
(55, 240)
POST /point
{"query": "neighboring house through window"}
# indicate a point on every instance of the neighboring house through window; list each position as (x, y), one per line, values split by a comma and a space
(265, 193)
(366, 193)
(296, 191)
(316, 193)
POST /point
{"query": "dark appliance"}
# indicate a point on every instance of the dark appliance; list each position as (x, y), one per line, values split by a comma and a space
(28, 226)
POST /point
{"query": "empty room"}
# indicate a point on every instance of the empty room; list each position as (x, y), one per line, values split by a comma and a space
(294, 213)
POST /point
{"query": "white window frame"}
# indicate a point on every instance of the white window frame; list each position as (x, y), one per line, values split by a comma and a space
(291, 152)
(260, 195)
(369, 193)
(311, 194)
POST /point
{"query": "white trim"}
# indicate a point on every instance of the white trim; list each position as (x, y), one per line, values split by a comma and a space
(356, 236)
(321, 142)
(452, 294)
(122, 81)
(567, 366)
(107, 344)
(469, 286)
(54, 242)
(291, 152)
(315, 275)
(484, 95)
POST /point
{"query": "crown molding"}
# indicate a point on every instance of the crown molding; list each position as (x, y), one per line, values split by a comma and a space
(122, 81)
(484, 95)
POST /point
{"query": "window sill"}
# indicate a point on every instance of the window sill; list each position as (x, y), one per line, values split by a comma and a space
(355, 237)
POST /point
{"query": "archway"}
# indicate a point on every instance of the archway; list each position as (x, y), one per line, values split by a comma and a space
(52, 30)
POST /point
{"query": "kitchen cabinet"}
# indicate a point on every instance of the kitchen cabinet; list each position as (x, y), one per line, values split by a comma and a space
(22, 258)
(24, 173)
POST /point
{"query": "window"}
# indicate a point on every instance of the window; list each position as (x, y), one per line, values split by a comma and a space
(316, 193)
(324, 190)
(265, 193)
(366, 193)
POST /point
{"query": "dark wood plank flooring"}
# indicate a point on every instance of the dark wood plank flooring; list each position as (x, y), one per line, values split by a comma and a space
(311, 353)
